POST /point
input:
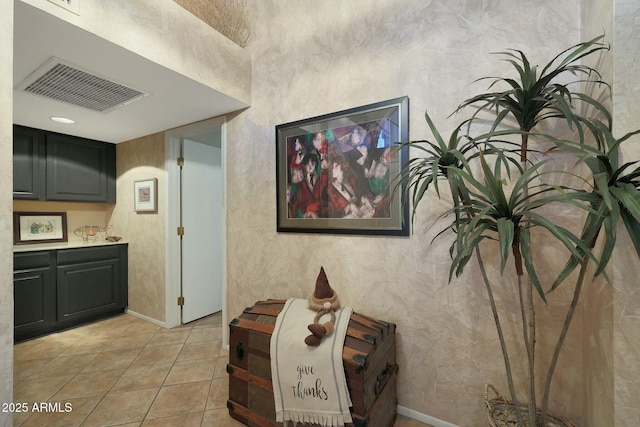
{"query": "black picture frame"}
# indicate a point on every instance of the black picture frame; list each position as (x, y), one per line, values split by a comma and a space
(336, 173)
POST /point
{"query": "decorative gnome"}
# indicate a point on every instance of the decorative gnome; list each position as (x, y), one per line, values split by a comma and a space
(324, 300)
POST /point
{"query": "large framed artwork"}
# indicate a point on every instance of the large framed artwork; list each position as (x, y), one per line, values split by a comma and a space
(335, 173)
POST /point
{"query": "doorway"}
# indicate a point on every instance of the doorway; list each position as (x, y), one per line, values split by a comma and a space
(195, 266)
(201, 198)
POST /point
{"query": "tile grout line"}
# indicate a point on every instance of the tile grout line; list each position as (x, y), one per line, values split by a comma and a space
(123, 330)
(58, 389)
(84, 420)
(106, 394)
(144, 418)
(125, 391)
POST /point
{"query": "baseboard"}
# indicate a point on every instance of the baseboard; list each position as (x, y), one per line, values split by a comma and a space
(423, 418)
(147, 318)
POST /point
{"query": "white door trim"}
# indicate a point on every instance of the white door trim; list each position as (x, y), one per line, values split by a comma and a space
(172, 242)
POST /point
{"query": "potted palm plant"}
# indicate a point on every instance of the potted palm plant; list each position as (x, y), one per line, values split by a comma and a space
(502, 191)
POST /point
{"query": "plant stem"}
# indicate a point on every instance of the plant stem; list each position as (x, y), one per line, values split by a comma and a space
(526, 306)
(528, 333)
(531, 349)
(565, 329)
(561, 337)
(503, 345)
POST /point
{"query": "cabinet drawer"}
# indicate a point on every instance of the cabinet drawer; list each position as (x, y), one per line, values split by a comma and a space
(74, 256)
(30, 260)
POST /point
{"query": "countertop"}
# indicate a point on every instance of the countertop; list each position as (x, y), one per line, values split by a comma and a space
(30, 247)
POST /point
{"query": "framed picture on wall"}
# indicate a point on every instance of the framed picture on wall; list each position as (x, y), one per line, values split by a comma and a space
(335, 173)
(39, 227)
(145, 195)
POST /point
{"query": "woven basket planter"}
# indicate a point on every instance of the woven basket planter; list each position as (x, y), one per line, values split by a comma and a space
(501, 411)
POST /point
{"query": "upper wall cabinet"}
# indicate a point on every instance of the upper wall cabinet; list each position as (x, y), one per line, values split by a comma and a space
(75, 169)
(29, 164)
(80, 170)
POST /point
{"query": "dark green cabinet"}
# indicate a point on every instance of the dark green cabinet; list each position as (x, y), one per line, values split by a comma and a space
(90, 281)
(34, 293)
(80, 170)
(58, 289)
(58, 167)
(29, 164)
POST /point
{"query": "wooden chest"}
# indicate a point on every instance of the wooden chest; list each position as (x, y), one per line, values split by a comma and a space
(369, 358)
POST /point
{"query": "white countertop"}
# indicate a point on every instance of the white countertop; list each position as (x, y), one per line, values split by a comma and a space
(30, 247)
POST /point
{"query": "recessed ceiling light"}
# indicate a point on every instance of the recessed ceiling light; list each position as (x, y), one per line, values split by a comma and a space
(62, 120)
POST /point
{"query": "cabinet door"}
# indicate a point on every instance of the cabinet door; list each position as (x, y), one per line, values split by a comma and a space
(34, 294)
(89, 282)
(29, 164)
(80, 170)
(87, 289)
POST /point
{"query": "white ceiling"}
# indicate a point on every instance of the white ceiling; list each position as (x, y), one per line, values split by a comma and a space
(174, 99)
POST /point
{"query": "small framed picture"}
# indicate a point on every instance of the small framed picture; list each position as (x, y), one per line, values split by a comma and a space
(39, 227)
(145, 195)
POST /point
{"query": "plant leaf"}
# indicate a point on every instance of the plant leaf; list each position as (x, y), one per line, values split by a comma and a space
(506, 232)
(525, 246)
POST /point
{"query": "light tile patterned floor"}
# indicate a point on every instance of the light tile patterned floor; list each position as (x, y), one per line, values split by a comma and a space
(127, 372)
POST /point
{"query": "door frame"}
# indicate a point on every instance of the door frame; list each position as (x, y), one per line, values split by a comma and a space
(173, 139)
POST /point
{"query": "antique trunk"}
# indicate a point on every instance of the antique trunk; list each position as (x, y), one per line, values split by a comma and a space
(369, 359)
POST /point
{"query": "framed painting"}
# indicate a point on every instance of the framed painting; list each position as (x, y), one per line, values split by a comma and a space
(39, 227)
(336, 173)
(145, 197)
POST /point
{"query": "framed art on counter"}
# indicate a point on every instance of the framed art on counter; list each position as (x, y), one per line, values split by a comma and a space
(39, 227)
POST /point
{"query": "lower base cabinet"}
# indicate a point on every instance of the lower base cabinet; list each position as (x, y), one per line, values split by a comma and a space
(58, 289)
(34, 292)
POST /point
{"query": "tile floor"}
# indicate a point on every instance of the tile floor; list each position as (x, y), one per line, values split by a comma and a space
(124, 371)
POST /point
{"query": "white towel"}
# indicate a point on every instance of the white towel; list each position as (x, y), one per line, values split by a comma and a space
(309, 384)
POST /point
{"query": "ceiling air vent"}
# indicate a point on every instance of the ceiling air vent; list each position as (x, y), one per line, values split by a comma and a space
(68, 83)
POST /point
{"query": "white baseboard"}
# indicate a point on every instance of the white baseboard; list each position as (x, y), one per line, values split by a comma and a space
(423, 418)
(147, 318)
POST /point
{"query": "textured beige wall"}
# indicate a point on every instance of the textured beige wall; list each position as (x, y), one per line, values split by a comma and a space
(140, 159)
(626, 311)
(6, 216)
(311, 58)
(597, 298)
